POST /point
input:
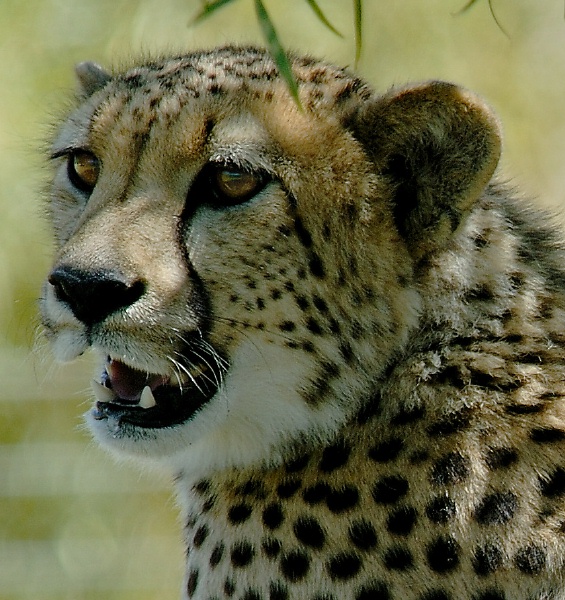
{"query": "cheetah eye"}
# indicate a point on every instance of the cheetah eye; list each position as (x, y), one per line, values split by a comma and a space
(232, 185)
(83, 169)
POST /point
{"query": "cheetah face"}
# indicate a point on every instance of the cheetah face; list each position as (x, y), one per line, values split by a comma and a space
(240, 265)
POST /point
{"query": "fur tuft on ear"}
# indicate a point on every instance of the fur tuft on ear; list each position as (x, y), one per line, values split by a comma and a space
(91, 77)
(438, 145)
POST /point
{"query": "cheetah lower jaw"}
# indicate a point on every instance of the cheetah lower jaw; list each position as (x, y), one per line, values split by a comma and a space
(129, 398)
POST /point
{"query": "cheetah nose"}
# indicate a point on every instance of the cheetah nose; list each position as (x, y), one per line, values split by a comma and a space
(94, 295)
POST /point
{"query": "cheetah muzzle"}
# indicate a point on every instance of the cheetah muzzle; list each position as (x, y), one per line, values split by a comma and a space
(334, 328)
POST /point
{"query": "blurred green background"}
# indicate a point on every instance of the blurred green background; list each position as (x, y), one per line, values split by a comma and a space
(72, 524)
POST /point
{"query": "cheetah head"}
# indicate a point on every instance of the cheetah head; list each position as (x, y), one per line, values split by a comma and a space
(245, 268)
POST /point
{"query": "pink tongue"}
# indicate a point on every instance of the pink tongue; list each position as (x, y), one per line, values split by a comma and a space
(128, 383)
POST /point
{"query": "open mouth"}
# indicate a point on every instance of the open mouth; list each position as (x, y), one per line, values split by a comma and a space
(127, 395)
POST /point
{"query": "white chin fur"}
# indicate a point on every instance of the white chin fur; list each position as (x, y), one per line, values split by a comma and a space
(254, 415)
(68, 345)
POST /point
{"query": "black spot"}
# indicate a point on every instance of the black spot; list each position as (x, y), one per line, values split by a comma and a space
(386, 451)
(200, 536)
(317, 493)
(480, 241)
(298, 464)
(229, 588)
(390, 489)
(555, 485)
(217, 555)
(316, 266)
(452, 468)
(260, 303)
(496, 508)
(547, 435)
(294, 565)
(374, 591)
(320, 304)
(278, 591)
(251, 487)
(242, 554)
(443, 554)
(501, 458)
(530, 559)
(275, 294)
(313, 326)
(362, 535)
(524, 409)
(343, 499)
(402, 520)
(441, 509)
(288, 488)
(251, 595)
(407, 416)
(369, 410)
(450, 375)
(289, 286)
(271, 548)
(302, 302)
(453, 423)
(335, 456)
(435, 595)
(302, 233)
(192, 583)
(344, 566)
(490, 594)
(481, 293)
(309, 347)
(273, 516)
(317, 390)
(398, 558)
(287, 326)
(419, 456)
(208, 505)
(487, 559)
(202, 487)
(239, 513)
(308, 531)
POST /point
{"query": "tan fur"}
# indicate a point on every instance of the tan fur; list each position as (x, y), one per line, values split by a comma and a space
(380, 326)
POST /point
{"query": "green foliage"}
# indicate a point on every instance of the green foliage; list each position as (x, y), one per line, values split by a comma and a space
(272, 39)
(276, 50)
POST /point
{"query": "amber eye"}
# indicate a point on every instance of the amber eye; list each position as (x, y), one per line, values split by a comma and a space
(83, 169)
(232, 185)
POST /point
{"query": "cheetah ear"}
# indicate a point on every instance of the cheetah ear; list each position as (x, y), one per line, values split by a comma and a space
(439, 145)
(91, 78)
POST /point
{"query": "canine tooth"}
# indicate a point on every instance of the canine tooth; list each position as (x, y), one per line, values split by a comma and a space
(147, 399)
(102, 393)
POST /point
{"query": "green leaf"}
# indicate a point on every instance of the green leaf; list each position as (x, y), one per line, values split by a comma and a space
(276, 50)
(358, 11)
(318, 11)
(208, 8)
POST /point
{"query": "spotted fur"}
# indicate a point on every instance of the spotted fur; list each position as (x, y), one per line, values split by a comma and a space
(386, 324)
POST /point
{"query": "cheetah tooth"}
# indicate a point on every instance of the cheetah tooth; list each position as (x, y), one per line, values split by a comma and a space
(102, 393)
(147, 399)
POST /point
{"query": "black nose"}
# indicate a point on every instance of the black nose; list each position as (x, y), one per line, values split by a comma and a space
(94, 295)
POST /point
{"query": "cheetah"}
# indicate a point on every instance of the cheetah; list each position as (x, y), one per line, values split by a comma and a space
(328, 321)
